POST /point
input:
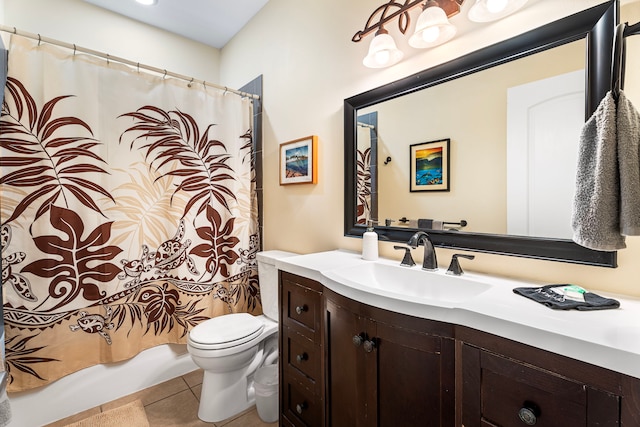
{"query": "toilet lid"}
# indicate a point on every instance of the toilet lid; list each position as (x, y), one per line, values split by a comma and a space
(226, 331)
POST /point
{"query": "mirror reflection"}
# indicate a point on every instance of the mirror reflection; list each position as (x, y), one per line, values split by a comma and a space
(513, 131)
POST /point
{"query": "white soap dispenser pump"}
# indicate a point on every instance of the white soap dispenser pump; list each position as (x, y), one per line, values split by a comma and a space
(370, 243)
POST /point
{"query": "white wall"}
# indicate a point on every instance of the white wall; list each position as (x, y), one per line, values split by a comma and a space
(86, 25)
(310, 65)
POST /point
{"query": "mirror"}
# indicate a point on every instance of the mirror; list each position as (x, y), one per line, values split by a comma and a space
(421, 110)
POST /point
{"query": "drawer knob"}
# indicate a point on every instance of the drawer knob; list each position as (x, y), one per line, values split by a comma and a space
(529, 413)
(302, 357)
(302, 308)
(369, 346)
(358, 340)
(301, 407)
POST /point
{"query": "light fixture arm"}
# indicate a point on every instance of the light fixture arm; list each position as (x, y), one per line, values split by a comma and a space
(384, 15)
(402, 11)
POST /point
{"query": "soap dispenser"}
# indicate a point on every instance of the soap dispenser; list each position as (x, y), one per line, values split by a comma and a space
(370, 243)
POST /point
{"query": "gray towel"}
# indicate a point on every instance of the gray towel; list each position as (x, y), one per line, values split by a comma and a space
(629, 164)
(596, 212)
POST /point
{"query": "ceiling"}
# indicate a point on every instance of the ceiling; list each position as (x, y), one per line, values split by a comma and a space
(212, 22)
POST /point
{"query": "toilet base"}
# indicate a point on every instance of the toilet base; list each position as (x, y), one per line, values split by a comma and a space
(226, 394)
(212, 408)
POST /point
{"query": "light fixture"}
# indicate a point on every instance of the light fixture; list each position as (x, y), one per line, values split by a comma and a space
(147, 2)
(432, 30)
(433, 27)
(491, 10)
(382, 51)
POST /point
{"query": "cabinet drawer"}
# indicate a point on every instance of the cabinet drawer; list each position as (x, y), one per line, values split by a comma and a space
(300, 406)
(301, 308)
(509, 387)
(301, 355)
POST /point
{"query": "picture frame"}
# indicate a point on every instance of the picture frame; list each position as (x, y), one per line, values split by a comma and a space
(299, 161)
(429, 166)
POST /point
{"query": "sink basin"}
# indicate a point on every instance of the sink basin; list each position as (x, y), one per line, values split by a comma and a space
(409, 284)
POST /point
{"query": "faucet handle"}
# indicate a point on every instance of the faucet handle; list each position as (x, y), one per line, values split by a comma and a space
(454, 267)
(407, 260)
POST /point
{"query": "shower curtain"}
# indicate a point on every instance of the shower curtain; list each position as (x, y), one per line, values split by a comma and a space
(128, 210)
(363, 176)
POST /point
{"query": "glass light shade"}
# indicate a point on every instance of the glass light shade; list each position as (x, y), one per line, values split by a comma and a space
(432, 29)
(492, 10)
(382, 52)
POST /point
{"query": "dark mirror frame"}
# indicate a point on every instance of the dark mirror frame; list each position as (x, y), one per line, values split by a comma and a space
(597, 26)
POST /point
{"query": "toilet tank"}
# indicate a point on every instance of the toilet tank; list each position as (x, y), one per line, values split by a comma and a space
(268, 278)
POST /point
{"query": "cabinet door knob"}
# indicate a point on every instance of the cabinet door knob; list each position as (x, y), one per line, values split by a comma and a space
(358, 340)
(301, 308)
(369, 345)
(529, 413)
(301, 407)
(302, 357)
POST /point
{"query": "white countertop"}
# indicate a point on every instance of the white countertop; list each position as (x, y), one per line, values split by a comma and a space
(607, 338)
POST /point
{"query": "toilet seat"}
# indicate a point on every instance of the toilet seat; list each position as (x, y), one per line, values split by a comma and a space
(226, 331)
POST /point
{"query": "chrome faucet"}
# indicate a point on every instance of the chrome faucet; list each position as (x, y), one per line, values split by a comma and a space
(430, 261)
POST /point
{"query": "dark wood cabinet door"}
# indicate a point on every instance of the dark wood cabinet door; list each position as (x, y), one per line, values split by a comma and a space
(345, 367)
(415, 373)
(503, 392)
(383, 374)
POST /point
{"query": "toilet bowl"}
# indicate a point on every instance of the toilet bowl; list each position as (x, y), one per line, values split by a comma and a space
(230, 348)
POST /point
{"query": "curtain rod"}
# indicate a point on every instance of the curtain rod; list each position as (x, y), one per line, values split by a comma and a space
(108, 57)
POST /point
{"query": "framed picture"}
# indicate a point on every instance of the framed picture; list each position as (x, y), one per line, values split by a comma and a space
(299, 161)
(429, 169)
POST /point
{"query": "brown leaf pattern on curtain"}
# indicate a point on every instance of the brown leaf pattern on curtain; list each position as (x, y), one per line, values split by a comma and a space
(175, 138)
(363, 184)
(54, 167)
(80, 265)
(19, 357)
(73, 286)
(218, 249)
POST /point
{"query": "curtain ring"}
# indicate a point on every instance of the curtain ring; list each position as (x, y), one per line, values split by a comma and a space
(189, 85)
(204, 84)
(107, 59)
(138, 67)
(225, 90)
(74, 49)
(39, 39)
(15, 30)
(165, 74)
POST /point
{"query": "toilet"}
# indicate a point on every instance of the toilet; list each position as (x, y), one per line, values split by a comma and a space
(230, 348)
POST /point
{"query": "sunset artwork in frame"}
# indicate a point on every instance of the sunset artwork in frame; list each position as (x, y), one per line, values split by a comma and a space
(429, 169)
(299, 161)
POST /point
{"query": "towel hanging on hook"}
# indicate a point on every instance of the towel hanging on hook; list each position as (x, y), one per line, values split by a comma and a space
(618, 61)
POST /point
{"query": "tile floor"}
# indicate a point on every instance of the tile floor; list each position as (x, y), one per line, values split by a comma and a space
(172, 403)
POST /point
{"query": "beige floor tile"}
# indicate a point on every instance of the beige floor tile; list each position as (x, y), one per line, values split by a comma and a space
(178, 410)
(151, 394)
(77, 417)
(194, 378)
(248, 419)
(197, 390)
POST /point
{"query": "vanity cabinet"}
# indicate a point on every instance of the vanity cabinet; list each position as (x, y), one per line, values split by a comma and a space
(386, 369)
(345, 363)
(507, 384)
(301, 352)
